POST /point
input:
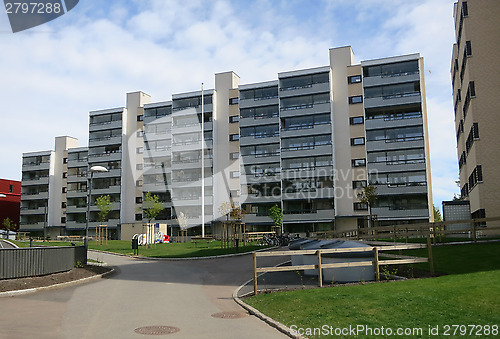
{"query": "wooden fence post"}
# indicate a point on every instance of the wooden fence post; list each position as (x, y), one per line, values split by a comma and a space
(377, 270)
(320, 271)
(254, 273)
(431, 259)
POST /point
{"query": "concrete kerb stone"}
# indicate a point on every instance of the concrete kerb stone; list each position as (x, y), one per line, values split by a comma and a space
(61, 285)
(190, 258)
(268, 320)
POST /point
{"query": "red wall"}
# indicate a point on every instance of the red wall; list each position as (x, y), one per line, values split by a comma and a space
(10, 206)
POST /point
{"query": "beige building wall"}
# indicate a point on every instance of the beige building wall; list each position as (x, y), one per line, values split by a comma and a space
(478, 24)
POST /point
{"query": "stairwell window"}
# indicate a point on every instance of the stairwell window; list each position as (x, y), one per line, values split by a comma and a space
(356, 99)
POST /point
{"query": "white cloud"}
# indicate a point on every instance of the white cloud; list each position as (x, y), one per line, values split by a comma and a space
(88, 59)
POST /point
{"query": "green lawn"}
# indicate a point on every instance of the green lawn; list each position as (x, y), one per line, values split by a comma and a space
(458, 259)
(469, 295)
(174, 250)
(468, 299)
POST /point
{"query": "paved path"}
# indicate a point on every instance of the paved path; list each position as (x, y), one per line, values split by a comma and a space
(182, 294)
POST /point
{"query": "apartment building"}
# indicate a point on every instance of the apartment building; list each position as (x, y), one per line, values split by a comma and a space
(10, 201)
(308, 142)
(475, 83)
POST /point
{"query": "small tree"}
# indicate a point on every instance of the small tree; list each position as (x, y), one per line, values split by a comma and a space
(8, 224)
(368, 196)
(231, 210)
(437, 214)
(276, 214)
(104, 204)
(151, 206)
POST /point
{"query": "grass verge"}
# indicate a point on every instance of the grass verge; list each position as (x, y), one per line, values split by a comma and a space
(469, 295)
(455, 299)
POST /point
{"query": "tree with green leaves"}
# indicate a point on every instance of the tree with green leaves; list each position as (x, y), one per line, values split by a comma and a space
(437, 214)
(104, 204)
(8, 224)
(276, 214)
(368, 196)
(151, 206)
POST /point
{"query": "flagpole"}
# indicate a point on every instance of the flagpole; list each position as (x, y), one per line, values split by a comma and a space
(202, 164)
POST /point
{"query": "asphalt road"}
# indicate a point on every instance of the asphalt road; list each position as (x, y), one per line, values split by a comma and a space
(182, 294)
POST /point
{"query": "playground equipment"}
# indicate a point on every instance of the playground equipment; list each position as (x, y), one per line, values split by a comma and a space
(145, 239)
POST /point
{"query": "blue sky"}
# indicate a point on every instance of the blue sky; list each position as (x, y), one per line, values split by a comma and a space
(54, 74)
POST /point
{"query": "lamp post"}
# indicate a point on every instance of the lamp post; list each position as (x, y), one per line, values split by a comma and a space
(92, 170)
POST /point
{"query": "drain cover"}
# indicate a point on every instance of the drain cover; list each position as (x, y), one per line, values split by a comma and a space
(230, 315)
(156, 330)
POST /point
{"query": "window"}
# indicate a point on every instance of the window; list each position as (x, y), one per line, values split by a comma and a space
(233, 101)
(475, 177)
(234, 137)
(234, 193)
(65, 175)
(138, 183)
(139, 167)
(259, 93)
(234, 155)
(359, 206)
(354, 79)
(357, 141)
(65, 160)
(235, 174)
(234, 118)
(63, 220)
(11, 188)
(140, 150)
(468, 49)
(356, 184)
(356, 120)
(356, 99)
(138, 217)
(140, 134)
(358, 162)
(472, 89)
(140, 118)
(64, 189)
(465, 9)
(138, 200)
(63, 204)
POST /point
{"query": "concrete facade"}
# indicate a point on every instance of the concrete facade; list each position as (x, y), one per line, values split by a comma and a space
(475, 82)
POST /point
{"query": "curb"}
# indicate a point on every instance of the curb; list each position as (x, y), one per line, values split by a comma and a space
(65, 284)
(190, 258)
(268, 320)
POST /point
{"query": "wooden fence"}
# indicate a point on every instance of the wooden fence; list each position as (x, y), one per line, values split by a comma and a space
(436, 230)
(376, 263)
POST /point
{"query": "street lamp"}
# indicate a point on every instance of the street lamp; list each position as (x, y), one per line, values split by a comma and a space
(92, 170)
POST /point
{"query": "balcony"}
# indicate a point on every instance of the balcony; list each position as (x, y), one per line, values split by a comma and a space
(326, 171)
(387, 213)
(247, 103)
(76, 193)
(307, 151)
(310, 194)
(309, 216)
(305, 131)
(393, 100)
(36, 181)
(105, 126)
(392, 123)
(36, 196)
(34, 211)
(105, 141)
(208, 163)
(115, 156)
(76, 209)
(252, 140)
(388, 145)
(390, 80)
(260, 159)
(384, 167)
(250, 122)
(417, 188)
(254, 198)
(315, 109)
(36, 166)
(306, 90)
(108, 190)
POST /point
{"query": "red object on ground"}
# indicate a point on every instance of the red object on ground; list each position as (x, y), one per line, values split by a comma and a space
(166, 238)
(10, 205)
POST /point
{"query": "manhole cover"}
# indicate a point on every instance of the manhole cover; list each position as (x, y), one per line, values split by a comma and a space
(156, 330)
(230, 315)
